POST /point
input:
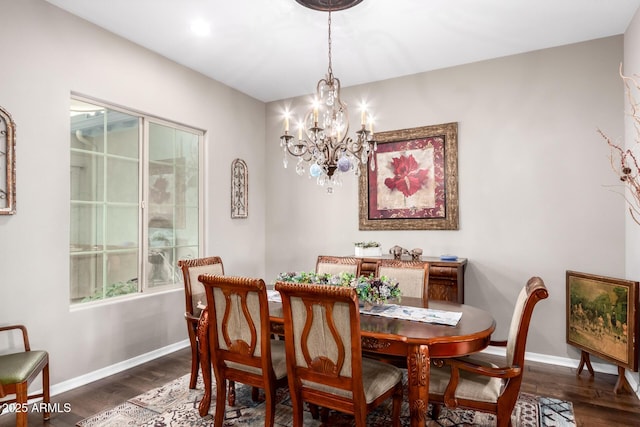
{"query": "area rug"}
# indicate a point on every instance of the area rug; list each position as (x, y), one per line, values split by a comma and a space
(174, 404)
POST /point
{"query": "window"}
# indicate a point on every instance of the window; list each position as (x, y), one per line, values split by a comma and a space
(135, 201)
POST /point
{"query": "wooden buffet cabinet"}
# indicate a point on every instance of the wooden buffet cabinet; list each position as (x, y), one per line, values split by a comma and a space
(446, 278)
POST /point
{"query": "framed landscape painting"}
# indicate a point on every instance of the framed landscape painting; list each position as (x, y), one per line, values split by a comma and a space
(414, 182)
(602, 317)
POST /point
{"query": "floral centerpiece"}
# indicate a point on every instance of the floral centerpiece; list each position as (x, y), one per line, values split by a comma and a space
(370, 290)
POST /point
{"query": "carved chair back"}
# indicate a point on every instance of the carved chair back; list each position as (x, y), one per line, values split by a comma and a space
(324, 354)
(193, 289)
(240, 338)
(195, 300)
(413, 276)
(336, 265)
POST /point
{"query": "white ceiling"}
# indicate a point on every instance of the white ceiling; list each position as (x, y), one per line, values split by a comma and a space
(276, 49)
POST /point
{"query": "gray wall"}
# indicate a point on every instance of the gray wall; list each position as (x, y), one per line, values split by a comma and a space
(47, 54)
(533, 177)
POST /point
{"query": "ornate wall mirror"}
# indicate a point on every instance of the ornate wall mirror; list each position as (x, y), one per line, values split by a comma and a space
(7, 164)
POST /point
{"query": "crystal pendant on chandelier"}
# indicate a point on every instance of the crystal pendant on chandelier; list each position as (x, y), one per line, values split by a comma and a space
(323, 142)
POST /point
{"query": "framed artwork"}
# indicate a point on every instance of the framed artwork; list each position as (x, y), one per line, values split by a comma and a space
(7, 163)
(239, 189)
(602, 317)
(414, 182)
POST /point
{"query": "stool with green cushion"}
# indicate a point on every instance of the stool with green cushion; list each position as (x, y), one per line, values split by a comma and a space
(18, 370)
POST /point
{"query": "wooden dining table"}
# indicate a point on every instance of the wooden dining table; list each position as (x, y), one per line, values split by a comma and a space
(418, 341)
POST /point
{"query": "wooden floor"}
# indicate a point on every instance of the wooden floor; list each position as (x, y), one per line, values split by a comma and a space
(593, 399)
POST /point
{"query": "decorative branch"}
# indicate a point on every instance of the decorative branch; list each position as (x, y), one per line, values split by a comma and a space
(624, 161)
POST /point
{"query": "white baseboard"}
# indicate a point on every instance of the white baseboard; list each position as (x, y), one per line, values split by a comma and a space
(571, 363)
(118, 367)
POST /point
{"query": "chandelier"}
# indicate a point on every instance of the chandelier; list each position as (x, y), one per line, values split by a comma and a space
(322, 142)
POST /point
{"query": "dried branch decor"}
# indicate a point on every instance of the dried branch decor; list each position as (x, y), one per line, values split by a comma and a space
(624, 161)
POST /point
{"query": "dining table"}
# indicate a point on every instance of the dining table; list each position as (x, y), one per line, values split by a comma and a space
(419, 342)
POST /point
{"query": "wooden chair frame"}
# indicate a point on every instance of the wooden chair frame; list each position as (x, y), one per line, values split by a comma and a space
(190, 312)
(345, 260)
(323, 370)
(511, 373)
(225, 359)
(20, 389)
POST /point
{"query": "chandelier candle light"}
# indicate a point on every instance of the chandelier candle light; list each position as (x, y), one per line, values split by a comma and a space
(322, 142)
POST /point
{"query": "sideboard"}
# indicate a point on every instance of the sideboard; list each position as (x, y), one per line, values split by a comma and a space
(446, 278)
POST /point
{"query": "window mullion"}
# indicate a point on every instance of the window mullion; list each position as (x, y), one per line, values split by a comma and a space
(105, 204)
(144, 204)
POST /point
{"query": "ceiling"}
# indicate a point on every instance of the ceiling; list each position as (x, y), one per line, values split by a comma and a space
(276, 49)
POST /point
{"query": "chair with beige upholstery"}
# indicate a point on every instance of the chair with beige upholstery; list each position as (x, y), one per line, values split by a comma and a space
(18, 369)
(239, 340)
(195, 301)
(326, 264)
(412, 276)
(324, 355)
(471, 383)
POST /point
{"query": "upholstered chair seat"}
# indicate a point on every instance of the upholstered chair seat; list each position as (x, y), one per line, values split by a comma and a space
(18, 369)
(470, 386)
(377, 378)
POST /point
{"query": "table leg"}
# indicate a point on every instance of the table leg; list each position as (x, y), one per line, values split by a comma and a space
(418, 377)
(205, 362)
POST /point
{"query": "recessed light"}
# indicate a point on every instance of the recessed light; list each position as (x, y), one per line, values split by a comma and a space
(200, 28)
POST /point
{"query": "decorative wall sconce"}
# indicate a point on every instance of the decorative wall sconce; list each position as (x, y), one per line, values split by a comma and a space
(7, 163)
(239, 189)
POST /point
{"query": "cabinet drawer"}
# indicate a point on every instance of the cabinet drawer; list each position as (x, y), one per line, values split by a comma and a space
(442, 272)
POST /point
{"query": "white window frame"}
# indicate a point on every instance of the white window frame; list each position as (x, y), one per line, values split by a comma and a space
(144, 120)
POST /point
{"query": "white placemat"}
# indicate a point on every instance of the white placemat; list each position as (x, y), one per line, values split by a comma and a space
(427, 315)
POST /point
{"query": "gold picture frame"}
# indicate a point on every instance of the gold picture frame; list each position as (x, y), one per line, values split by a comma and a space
(414, 185)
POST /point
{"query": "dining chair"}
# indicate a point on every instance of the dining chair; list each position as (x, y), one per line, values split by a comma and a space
(195, 300)
(471, 383)
(239, 340)
(412, 276)
(324, 355)
(18, 369)
(338, 264)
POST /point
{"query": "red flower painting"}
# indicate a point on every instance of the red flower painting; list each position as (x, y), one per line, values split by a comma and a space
(407, 177)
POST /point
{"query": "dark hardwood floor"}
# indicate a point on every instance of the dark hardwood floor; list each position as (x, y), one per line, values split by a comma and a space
(593, 399)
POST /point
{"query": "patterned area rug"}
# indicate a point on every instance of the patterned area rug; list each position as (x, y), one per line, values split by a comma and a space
(174, 404)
